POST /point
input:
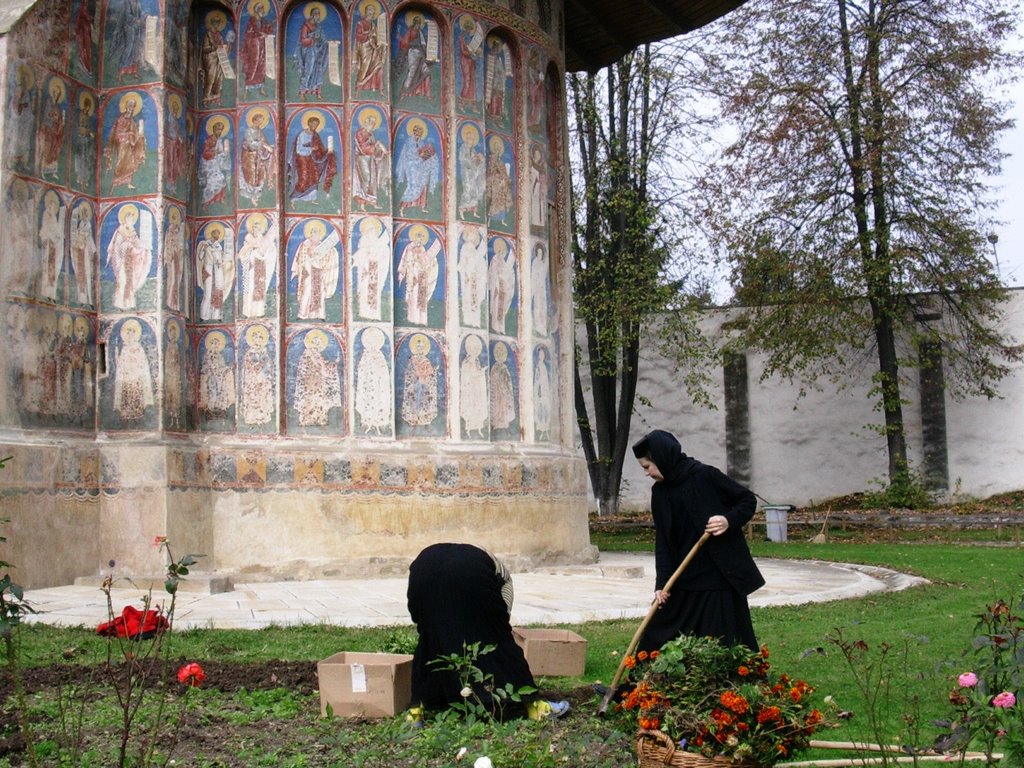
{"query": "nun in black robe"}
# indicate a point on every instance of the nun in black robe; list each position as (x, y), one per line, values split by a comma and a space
(687, 499)
(458, 595)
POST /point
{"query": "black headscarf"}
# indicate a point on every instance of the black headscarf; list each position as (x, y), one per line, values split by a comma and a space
(666, 453)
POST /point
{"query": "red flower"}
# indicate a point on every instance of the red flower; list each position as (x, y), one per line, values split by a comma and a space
(768, 714)
(191, 674)
(630, 662)
(744, 671)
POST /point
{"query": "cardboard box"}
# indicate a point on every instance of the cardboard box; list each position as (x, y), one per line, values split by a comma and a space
(552, 651)
(365, 684)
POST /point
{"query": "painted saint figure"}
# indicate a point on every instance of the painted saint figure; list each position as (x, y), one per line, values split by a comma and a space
(498, 75)
(125, 152)
(418, 269)
(311, 163)
(502, 281)
(469, 54)
(316, 271)
(540, 283)
(174, 258)
(373, 384)
(500, 197)
(503, 395)
(51, 246)
(215, 271)
(258, 396)
(311, 55)
(50, 140)
(371, 262)
(370, 180)
(83, 143)
(473, 276)
(176, 161)
(83, 252)
(217, 40)
(413, 46)
(418, 168)
(215, 162)
(128, 257)
(257, 158)
(216, 376)
(128, 38)
(133, 379)
(419, 385)
(543, 399)
(370, 48)
(254, 47)
(472, 176)
(174, 377)
(317, 382)
(257, 259)
(475, 407)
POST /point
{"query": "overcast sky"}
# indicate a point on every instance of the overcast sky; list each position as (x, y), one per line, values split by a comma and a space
(1010, 248)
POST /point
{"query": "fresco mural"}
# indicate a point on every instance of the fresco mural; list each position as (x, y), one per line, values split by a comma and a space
(469, 69)
(142, 182)
(257, 390)
(371, 160)
(369, 50)
(131, 48)
(419, 160)
(420, 384)
(472, 173)
(257, 159)
(217, 397)
(129, 144)
(475, 401)
(419, 277)
(416, 62)
(314, 269)
(503, 287)
(313, 162)
(258, 51)
(128, 390)
(216, 60)
(313, 50)
(127, 243)
(504, 392)
(215, 272)
(215, 165)
(373, 380)
(316, 367)
(371, 269)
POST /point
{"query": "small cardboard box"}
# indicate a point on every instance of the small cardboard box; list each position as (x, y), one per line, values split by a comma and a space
(552, 651)
(365, 684)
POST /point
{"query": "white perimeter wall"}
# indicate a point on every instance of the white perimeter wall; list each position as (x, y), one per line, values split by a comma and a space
(809, 449)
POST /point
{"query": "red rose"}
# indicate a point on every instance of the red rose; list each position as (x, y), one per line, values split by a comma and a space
(191, 674)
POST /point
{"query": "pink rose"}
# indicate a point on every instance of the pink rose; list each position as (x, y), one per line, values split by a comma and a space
(1006, 699)
(967, 680)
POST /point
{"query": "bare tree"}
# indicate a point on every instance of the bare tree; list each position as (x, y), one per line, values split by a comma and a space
(622, 121)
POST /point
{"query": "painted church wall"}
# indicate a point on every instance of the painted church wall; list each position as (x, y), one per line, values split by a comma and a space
(231, 228)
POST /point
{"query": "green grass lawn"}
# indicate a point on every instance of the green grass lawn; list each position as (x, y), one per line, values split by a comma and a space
(915, 641)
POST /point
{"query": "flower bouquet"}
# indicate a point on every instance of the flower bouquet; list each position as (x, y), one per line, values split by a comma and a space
(700, 703)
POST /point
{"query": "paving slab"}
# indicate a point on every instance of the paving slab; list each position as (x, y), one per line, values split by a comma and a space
(618, 586)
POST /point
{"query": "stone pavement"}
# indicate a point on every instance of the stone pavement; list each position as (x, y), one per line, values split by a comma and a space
(619, 586)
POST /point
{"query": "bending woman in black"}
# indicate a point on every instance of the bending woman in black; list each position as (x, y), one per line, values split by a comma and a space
(459, 595)
(687, 499)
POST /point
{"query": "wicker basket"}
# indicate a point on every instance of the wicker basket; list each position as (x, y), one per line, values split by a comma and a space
(655, 749)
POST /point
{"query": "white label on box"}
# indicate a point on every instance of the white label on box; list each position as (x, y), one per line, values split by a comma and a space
(358, 678)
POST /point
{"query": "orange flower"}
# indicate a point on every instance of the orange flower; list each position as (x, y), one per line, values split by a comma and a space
(768, 714)
(630, 662)
(744, 671)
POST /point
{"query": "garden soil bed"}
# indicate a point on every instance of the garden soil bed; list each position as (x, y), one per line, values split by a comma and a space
(217, 741)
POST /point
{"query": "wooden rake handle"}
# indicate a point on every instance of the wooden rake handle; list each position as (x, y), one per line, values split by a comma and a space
(647, 619)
